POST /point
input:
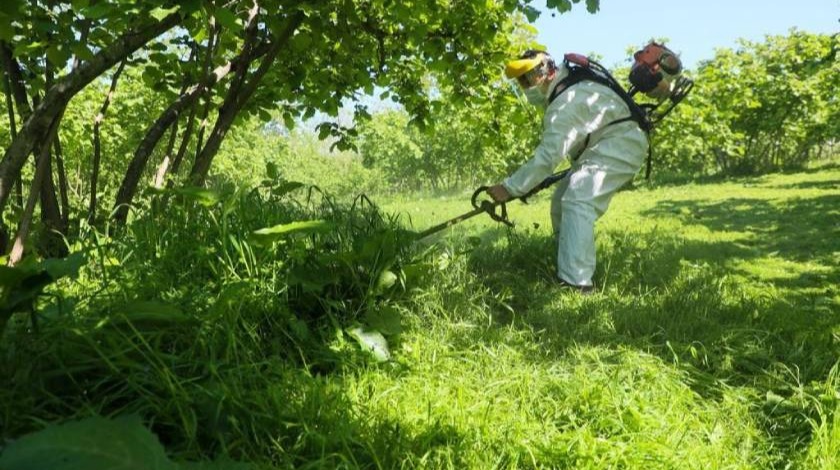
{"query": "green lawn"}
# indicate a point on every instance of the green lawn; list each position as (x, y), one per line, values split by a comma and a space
(713, 343)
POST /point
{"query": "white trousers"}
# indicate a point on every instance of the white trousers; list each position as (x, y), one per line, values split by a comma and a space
(585, 194)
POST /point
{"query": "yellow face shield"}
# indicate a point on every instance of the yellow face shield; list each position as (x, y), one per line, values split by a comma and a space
(527, 72)
(517, 68)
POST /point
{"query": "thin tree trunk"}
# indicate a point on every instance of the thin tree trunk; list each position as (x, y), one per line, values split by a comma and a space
(56, 98)
(4, 232)
(7, 90)
(97, 143)
(41, 169)
(202, 128)
(157, 181)
(52, 243)
(62, 181)
(17, 89)
(59, 153)
(212, 46)
(16, 82)
(182, 149)
(235, 100)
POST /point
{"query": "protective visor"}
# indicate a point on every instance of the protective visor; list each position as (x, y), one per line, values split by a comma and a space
(525, 71)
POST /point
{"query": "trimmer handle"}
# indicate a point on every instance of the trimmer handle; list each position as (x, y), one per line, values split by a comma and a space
(490, 206)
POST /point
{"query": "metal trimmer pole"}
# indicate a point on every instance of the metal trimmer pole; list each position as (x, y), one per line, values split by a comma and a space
(489, 207)
(485, 206)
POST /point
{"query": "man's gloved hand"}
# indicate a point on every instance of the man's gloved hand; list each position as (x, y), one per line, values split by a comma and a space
(499, 193)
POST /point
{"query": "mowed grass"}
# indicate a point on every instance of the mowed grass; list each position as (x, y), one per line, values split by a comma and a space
(713, 342)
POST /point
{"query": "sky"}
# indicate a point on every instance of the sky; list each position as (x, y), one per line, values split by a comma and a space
(694, 29)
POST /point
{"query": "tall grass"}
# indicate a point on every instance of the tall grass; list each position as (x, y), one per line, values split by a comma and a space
(712, 342)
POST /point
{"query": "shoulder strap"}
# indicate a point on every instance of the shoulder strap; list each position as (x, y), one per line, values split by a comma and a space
(580, 68)
(575, 76)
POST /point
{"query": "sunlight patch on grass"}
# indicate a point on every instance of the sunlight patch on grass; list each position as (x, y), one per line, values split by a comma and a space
(596, 406)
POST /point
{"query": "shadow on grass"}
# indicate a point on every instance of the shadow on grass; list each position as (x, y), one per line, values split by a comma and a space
(698, 303)
(822, 185)
(663, 288)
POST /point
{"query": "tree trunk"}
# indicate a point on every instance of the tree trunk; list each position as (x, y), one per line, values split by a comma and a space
(212, 46)
(202, 127)
(14, 89)
(17, 85)
(182, 149)
(62, 182)
(235, 100)
(141, 155)
(7, 91)
(52, 243)
(97, 143)
(157, 181)
(41, 169)
(56, 98)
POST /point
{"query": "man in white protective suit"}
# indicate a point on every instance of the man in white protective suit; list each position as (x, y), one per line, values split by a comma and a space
(590, 124)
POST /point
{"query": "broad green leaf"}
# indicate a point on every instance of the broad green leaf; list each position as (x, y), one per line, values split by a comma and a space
(200, 34)
(81, 51)
(189, 6)
(227, 19)
(309, 278)
(6, 30)
(288, 121)
(299, 328)
(21, 296)
(203, 196)
(385, 281)
(147, 311)
(95, 443)
(271, 170)
(371, 342)
(417, 272)
(97, 10)
(60, 267)
(302, 227)
(23, 283)
(285, 187)
(11, 8)
(58, 56)
(385, 319)
(323, 131)
(380, 247)
(160, 13)
(11, 277)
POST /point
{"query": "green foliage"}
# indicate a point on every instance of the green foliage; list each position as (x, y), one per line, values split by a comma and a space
(96, 444)
(766, 106)
(93, 443)
(468, 144)
(330, 52)
(255, 149)
(22, 285)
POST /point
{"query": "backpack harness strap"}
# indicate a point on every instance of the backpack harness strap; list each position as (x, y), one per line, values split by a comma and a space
(581, 68)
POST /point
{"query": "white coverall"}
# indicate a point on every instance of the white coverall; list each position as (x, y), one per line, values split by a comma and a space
(612, 157)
